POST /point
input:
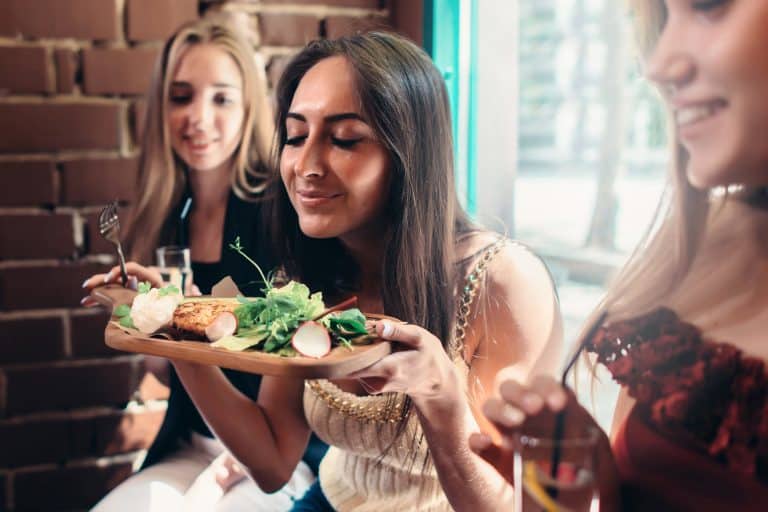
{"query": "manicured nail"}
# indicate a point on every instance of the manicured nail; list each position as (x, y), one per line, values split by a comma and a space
(511, 416)
(85, 283)
(84, 301)
(387, 329)
(532, 403)
(107, 277)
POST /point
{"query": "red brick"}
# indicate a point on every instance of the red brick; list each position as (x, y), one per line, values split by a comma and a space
(66, 488)
(23, 69)
(118, 71)
(365, 4)
(42, 236)
(87, 334)
(66, 70)
(288, 29)
(67, 126)
(30, 340)
(157, 19)
(94, 242)
(98, 181)
(28, 183)
(138, 118)
(28, 441)
(275, 68)
(80, 19)
(33, 441)
(337, 26)
(45, 285)
(84, 384)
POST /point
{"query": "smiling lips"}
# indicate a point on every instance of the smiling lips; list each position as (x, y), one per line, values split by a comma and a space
(691, 113)
(313, 198)
(197, 145)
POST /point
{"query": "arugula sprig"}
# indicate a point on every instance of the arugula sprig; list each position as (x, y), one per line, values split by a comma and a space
(239, 249)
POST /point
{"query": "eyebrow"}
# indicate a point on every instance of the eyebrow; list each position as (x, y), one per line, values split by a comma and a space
(217, 84)
(333, 118)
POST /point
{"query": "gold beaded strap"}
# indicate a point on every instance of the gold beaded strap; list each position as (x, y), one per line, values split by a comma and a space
(365, 408)
(471, 288)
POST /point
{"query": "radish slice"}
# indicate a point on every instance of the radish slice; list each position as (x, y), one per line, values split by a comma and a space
(225, 324)
(312, 340)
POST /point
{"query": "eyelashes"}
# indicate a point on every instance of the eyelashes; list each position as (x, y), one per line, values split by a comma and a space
(336, 141)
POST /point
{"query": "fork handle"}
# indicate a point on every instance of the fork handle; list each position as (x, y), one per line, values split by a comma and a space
(121, 258)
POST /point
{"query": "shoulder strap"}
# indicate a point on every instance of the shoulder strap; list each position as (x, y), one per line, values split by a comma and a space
(471, 287)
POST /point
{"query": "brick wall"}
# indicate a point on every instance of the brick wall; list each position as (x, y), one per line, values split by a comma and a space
(75, 416)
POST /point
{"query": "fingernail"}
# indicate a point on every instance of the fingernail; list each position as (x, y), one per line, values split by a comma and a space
(387, 329)
(85, 283)
(532, 403)
(84, 300)
(556, 401)
(511, 416)
(107, 277)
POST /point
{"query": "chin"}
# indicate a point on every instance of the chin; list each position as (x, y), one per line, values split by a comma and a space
(318, 230)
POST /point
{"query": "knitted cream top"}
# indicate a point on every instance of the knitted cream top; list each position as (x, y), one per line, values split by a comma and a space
(354, 475)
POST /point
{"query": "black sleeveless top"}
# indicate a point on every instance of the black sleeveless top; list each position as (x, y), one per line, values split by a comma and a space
(242, 219)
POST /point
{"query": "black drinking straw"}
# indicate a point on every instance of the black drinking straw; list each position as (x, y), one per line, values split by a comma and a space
(560, 418)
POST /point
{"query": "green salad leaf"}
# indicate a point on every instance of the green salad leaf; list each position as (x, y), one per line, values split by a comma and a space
(269, 322)
(122, 310)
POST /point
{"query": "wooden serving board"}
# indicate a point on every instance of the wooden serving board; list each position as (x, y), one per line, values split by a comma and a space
(340, 362)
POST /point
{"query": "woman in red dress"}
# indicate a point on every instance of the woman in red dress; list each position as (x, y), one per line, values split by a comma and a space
(684, 328)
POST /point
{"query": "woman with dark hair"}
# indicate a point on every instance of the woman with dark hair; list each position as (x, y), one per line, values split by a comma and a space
(684, 327)
(365, 204)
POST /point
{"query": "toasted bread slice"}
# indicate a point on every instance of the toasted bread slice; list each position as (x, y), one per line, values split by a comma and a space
(193, 315)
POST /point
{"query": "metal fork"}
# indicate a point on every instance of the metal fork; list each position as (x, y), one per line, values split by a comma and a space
(109, 228)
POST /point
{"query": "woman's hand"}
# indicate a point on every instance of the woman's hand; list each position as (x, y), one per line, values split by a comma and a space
(533, 410)
(227, 471)
(418, 367)
(136, 274)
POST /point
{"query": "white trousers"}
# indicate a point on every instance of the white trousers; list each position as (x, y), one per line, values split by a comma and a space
(185, 482)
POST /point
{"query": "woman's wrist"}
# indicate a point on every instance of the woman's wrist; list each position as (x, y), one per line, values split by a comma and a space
(444, 398)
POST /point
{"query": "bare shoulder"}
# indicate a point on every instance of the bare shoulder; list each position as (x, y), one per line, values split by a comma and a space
(517, 321)
(512, 269)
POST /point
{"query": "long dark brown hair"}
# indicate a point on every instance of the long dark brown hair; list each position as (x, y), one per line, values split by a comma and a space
(405, 101)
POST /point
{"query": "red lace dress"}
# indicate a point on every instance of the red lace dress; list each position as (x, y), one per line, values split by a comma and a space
(697, 438)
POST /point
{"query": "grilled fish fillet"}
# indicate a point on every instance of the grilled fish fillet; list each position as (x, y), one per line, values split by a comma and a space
(193, 316)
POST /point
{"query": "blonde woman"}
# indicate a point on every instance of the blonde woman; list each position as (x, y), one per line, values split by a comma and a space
(207, 135)
(686, 325)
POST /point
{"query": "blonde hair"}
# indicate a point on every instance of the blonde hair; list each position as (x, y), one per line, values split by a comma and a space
(684, 230)
(162, 179)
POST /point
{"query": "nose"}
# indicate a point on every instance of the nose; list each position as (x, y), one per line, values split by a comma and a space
(200, 114)
(671, 65)
(309, 163)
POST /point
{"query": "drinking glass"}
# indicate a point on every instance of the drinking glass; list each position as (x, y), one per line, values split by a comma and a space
(572, 489)
(175, 266)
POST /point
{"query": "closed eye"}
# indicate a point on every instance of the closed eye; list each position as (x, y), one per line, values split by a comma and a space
(295, 141)
(345, 143)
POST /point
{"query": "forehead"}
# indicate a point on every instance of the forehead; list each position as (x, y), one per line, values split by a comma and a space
(328, 87)
(207, 63)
